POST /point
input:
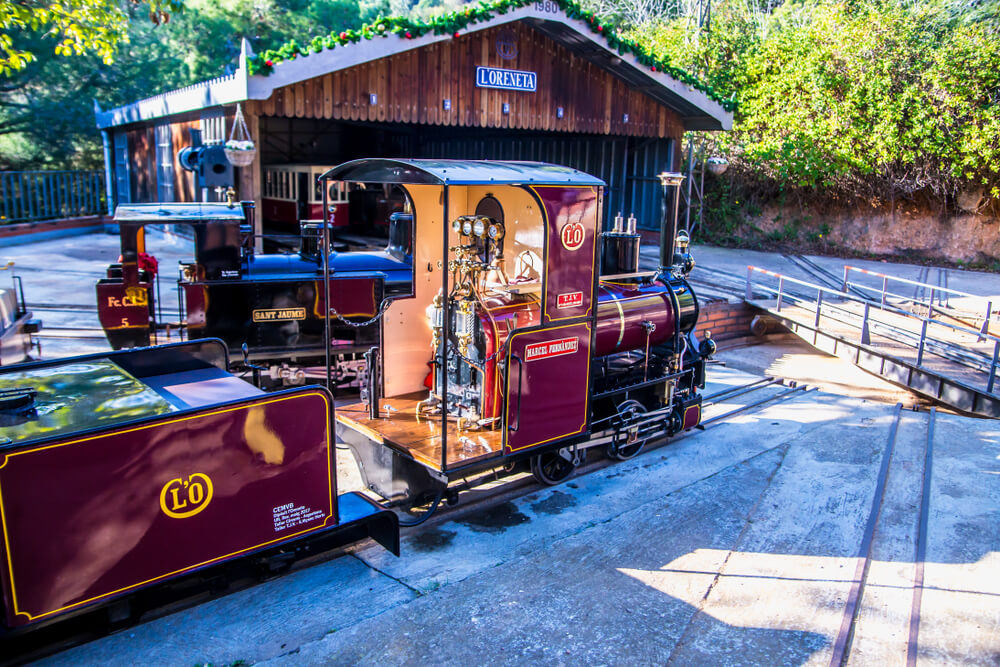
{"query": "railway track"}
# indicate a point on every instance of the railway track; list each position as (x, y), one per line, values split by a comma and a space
(841, 653)
(867, 546)
(853, 611)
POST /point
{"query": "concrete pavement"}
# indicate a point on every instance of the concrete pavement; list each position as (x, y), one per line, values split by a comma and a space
(735, 545)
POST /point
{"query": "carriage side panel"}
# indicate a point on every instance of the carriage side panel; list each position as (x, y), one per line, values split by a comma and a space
(91, 518)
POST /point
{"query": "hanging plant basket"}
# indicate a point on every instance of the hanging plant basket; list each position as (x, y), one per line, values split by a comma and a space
(240, 149)
(717, 166)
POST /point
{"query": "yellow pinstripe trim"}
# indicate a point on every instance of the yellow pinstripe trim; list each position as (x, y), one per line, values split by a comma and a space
(3, 519)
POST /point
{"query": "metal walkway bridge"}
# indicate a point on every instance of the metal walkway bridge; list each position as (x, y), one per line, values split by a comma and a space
(935, 341)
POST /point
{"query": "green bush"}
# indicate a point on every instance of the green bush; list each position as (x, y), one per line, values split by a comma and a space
(865, 100)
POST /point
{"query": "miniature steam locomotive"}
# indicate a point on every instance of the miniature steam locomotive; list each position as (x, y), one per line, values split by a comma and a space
(270, 303)
(535, 354)
(498, 326)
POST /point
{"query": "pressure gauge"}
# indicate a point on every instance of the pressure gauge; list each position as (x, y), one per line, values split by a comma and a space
(467, 228)
(495, 232)
(456, 225)
(479, 227)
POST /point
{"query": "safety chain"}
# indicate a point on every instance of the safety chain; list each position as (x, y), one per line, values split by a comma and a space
(357, 325)
(483, 362)
(473, 362)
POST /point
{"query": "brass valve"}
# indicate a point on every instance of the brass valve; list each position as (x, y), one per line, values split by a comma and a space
(463, 344)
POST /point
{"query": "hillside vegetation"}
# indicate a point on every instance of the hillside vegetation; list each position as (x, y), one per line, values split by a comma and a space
(879, 104)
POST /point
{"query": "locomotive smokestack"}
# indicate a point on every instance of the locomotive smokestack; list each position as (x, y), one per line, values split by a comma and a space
(671, 181)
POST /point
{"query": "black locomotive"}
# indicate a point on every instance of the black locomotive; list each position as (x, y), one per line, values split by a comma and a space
(267, 307)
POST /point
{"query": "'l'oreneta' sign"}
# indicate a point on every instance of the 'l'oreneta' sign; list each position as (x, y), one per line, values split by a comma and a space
(505, 79)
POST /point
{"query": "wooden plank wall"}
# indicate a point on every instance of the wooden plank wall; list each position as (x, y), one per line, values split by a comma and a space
(142, 143)
(180, 137)
(143, 172)
(411, 88)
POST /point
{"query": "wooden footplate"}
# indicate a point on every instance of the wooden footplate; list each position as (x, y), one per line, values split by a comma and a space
(400, 427)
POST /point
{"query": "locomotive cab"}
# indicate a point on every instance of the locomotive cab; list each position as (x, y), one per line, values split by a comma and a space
(512, 346)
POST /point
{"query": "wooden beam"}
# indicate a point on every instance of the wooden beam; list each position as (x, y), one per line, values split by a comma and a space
(250, 185)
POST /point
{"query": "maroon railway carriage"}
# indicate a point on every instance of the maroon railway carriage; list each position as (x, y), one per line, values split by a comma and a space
(543, 337)
(291, 194)
(126, 471)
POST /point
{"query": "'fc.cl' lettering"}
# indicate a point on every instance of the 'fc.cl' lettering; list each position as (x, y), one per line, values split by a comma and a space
(181, 498)
(115, 302)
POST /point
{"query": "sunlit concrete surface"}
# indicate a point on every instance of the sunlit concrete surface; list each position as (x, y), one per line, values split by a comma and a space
(60, 285)
(794, 359)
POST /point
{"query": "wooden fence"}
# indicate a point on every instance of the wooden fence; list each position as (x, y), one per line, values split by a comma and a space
(26, 196)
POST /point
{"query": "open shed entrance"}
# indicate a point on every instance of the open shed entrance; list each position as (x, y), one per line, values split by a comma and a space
(628, 165)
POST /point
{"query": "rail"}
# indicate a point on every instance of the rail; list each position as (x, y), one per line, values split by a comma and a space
(931, 290)
(27, 196)
(926, 343)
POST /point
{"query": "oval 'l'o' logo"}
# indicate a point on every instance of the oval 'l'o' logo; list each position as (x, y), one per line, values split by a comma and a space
(572, 235)
(181, 498)
(507, 45)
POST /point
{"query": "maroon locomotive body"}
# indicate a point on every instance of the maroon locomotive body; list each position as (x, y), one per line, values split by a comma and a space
(542, 336)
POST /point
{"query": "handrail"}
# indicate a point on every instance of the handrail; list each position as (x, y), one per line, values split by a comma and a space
(902, 335)
(921, 346)
(829, 291)
(933, 290)
(916, 283)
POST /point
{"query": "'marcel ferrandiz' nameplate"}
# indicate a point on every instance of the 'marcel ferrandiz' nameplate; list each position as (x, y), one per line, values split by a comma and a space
(279, 314)
(506, 79)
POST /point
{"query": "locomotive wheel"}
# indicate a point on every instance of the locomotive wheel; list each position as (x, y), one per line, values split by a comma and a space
(552, 468)
(620, 448)
(624, 450)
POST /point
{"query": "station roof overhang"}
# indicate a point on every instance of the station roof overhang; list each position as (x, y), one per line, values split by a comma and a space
(697, 110)
(458, 172)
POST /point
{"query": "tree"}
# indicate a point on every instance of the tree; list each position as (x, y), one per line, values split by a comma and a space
(69, 27)
(46, 106)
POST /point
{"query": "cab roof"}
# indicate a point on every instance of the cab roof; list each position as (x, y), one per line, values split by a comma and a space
(458, 172)
(178, 212)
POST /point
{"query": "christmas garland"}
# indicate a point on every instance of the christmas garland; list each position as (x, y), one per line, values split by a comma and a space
(453, 23)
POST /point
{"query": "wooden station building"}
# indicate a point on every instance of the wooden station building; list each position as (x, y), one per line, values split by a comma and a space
(584, 105)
